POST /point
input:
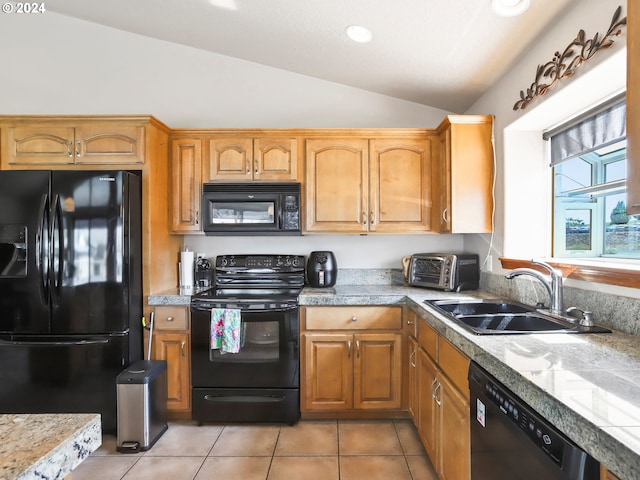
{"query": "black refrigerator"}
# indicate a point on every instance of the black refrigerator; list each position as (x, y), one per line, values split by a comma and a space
(70, 289)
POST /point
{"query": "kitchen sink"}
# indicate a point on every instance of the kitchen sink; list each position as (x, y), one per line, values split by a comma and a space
(490, 317)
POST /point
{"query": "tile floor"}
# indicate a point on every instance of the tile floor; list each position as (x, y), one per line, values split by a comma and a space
(310, 450)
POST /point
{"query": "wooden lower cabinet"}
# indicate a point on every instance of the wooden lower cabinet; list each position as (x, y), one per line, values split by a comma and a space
(348, 364)
(171, 343)
(605, 474)
(352, 371)
(442, 400)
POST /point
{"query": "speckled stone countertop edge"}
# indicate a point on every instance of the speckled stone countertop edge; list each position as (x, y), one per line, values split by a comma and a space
(53, 458)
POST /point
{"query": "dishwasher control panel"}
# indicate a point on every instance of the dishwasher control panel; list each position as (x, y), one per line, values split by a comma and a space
(536, 429)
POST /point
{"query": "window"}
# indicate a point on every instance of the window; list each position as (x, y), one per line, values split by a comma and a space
(588, 159)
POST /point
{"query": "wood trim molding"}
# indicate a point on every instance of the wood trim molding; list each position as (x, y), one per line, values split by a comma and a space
(608, 274)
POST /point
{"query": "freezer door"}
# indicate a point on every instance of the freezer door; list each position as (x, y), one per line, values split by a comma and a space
(62, 374)
(24, 251)
(91, 284)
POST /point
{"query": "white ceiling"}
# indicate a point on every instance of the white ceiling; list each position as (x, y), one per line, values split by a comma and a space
(441, 53)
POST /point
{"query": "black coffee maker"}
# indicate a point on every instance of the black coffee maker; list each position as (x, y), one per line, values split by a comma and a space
(322, 269)
(203, 272)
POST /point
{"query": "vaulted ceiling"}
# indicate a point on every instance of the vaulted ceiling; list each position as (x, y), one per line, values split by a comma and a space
(441, 53)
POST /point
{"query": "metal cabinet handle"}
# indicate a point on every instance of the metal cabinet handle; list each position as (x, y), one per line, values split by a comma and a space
(409, 322)
(433, 384)
(69, 152)
(412, 362)
(444, 215)
(372, 218)
(248, 166)
(364, 217)
(348, 348)
(257, 166)
(182, 345)
(197, 217)
(78, 148)
(435, 394)
(169, 319)
(357, 348)
(354, 319)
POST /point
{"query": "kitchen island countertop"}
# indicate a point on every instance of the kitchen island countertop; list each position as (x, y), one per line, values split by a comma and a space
(46, 446)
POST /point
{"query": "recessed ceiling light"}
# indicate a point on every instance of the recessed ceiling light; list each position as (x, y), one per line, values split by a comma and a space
(358, 33)
(509, 8)
(227, 4)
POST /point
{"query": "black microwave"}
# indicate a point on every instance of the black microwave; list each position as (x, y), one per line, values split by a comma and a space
(251, 209)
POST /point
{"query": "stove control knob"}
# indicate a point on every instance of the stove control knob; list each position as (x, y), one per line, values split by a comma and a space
(279, 261)
(223, 261)
(296, 261)
(287, 260)
(232, 262)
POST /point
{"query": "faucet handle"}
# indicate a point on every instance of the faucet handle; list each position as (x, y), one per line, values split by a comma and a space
(553, 271)
(584, 316)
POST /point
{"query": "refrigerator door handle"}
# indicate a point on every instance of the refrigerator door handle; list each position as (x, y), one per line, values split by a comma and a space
(42, 249)
(56, 250)
(50, 343)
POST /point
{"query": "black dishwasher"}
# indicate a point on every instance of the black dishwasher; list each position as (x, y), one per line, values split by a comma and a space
(510, 441)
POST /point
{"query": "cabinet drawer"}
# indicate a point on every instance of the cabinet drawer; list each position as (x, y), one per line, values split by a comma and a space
(428, 339)
(170, 318)
(353, 318)
(455, 365)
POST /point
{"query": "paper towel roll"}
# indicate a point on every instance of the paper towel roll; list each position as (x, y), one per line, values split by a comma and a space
(186, 269)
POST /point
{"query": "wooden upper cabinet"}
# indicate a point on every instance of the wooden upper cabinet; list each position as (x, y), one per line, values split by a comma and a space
(101, 143)
(337, 184)
(186, 184)
(463, 175)
(400, 185)
(359, 185)
(633, 107)
(257, 159)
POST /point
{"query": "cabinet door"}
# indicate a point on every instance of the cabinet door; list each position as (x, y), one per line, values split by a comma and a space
(465, 174)
(400, 185)
(377, 371)
(427, 407)
(455, 441)
(230, 159)
(337, 185)
(186, 181)
(412, 403)
(31, 145)
(328, 375)
(174, 348)
(275, 159)
(109, 144)
(442, 176)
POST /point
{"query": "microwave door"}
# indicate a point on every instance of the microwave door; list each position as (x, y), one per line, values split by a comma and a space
(255, 214)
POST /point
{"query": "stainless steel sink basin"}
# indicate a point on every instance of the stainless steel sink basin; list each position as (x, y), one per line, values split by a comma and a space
(490, 317)
(479, 307)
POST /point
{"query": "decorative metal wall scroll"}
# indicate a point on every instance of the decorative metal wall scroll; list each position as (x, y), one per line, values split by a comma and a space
(564, 64)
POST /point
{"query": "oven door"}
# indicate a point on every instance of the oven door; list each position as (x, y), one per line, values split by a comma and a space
(268, 356)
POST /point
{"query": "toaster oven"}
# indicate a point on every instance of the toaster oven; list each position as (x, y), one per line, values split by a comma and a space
(450, 272)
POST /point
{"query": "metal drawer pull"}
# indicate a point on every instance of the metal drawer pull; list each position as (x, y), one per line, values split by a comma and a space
(169, 319)
(354, 319)
(348, 349)
(358, 348)
(435, 394)
(412, 362)
(183, 355)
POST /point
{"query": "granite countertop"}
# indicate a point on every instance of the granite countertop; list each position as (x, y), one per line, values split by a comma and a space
(587, 385)
(46, 446)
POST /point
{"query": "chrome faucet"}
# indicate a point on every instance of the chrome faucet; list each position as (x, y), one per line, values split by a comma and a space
(553, 284)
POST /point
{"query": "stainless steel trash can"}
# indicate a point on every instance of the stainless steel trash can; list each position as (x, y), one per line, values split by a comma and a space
(142, 405)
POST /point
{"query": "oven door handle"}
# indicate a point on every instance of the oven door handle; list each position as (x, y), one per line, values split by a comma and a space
(244, 310)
